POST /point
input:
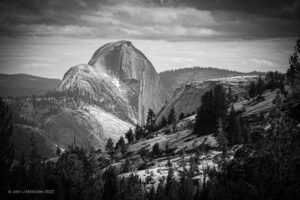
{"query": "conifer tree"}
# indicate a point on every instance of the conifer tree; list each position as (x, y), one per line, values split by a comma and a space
(6, 146)
(260, 86)
(222, 139)
(213, 106)
(252, 90)
(171, 188)
(293, 73)
(186, 190)
(111, 185)
(219, 98)
(293, 76)
(150, 123)
(35, 171)
(131, 188)
(151, 194)
(110, 147)
(129, 136)
(126, 166)
(58, 150)
(230, 95)
(18, 176)
(160, 192)
(155, 149)
(163, 122)
(139, 132)
(171, 116)
(120, 143)
(181, 116)
(234, 128)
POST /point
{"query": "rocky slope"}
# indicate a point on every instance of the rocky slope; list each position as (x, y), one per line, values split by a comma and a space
(187, 98)
(107, 90)
(180, 146)
(62, 122)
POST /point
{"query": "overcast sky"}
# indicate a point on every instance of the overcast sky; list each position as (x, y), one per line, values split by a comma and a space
(46, 38)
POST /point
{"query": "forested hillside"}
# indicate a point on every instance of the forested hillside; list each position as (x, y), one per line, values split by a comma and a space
(25, 85)
(178, 77)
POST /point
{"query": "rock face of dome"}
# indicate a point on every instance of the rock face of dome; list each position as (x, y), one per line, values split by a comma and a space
(122, 75)
(105, 89)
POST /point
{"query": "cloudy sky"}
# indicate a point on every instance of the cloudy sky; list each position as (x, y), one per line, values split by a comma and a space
(46, 37)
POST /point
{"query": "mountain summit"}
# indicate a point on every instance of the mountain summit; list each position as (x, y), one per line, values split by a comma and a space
(123, 78)
(122, 60)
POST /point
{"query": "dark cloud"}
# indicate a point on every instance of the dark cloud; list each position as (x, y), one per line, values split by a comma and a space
(46, 12)
(151, 19)
(279, 8)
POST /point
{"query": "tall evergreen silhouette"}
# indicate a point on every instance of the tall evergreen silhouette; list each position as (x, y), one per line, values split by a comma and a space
(6, 146)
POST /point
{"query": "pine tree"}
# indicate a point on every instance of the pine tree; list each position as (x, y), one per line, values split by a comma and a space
(293, 73)
(174, 127)
(186, 190)
(139, 132)
(293, 76)
(234, 129)
(230, 95)
(171, 188)
(129, 136)
(151, 194)
(155, 149)
(121, 142)
(111, 185)
(181, 116)
(160, 192)
(110, 147)
(260, 86)
(6, 146)
(35, 171)
(121, 145)
(18, 177)
(220, 106)
(131, 188)
(205, 115)
(171, 116)
(213, 106)
(150, 123)
(126, 166)
(58, 150)
(252, 90)
(222, 139)
(163, 122)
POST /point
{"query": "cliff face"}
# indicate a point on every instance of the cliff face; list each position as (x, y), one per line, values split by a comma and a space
(130, 67)
(187, 98)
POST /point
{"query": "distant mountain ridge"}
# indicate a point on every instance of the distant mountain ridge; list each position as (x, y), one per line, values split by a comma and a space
(179, 77)
(25, 85)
